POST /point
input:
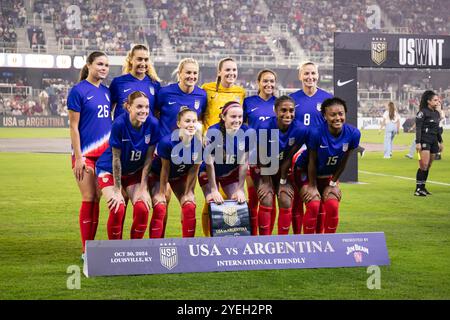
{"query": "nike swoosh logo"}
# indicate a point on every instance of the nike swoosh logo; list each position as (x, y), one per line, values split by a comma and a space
(89, 98)
(323, 147)
(172, 102)
(123, 140)
(126, 90)
(253, 109)
(271, 141)
(340, 84)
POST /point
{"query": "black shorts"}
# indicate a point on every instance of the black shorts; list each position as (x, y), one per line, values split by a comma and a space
(430, 142)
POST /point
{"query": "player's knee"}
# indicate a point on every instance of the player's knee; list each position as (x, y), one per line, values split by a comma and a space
(285, 200)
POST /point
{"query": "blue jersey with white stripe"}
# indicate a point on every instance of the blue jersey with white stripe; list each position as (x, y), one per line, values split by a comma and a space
(171, 98)
(126, 84)
(240, 144)
(257, 110)
(133, 144)
(182, 157)
(307, 109)
(330, 149)
(296, 134)
(93, 104)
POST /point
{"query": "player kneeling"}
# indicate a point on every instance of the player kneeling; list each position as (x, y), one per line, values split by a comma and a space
(176, 162)
(230, 169)
(126, 163)
(318, 168)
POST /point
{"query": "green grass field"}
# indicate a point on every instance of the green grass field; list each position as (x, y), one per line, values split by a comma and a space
(39, 237)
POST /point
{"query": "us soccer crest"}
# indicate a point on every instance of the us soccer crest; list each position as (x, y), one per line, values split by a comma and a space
(291, 141)
(197, 104)
(168, 255)
(230, 215)
(319, 106)
(345, 147)
(379, 50)
(147, 138)
(152, 90)
(194, 156)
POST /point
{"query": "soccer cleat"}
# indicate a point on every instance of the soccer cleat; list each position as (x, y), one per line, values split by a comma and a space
(82, 256)
(362, 151)
(420, 193)
(408, 156)
(426, 191)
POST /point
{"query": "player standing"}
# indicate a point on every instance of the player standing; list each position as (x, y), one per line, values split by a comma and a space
(177, 162)
(307, 110)
(126, 164)
(88, 103)
(259, 108)
(318, 168)
(138, 75)
(185, 93)
(428, 138)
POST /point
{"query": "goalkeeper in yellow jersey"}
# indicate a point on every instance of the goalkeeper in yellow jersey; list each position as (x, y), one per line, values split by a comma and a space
(218, 94)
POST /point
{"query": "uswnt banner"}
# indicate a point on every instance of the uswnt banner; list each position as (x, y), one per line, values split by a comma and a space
(179, 255)
(380, 50)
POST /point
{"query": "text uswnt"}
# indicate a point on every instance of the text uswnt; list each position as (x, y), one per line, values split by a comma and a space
(268, 248)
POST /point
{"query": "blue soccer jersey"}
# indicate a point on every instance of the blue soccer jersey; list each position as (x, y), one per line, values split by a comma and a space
(330, 149)
(123, 85)
(256, 110)
(171, 98)
(133, 144)
(93, 104)
(181, 157)
(296, 134)
(240, 143)
(307, 109)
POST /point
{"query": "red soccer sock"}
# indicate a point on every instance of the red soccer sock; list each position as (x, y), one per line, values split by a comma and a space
(297, 214)
(253, 208)
(284, 220)
(320, 219)
(310, 218)
(140, 220)
(85, 219)
(115, 223)
(331, 207)
(264, 215)
(157, 222)
(95, 214)
(273, 214)
(188, 219)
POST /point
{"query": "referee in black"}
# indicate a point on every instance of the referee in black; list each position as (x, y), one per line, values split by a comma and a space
(428, 138)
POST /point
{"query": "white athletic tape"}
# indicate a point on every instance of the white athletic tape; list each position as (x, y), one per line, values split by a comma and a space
(400, 177)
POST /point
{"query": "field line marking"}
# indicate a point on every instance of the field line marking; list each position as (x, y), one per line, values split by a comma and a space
(400, 177)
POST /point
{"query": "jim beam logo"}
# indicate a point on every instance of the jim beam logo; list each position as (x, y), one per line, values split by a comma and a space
(379, 50)
(168, 255)
(230, 216)
(420, 52)
(357, 251)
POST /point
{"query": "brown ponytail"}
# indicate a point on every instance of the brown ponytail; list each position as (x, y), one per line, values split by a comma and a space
(221, 62)
(90, 60)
